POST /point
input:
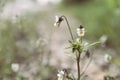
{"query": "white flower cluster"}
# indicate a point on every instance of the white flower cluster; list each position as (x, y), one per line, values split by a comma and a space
(60, 75)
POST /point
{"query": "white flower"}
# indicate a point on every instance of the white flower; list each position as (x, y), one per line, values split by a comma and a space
(103, 39)
(107, 58)
(15, 67)
(58, 21)
(81, 31)
(60, 75)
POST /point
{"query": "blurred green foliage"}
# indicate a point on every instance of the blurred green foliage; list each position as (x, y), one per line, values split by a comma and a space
(71, 2)
(15, 38)
(100, 17)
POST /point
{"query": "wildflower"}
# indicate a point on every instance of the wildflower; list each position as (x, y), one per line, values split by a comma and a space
(107, 58)
(15, 67)
(58, 21)
(81, 31)
(60, 75)
(103, 39)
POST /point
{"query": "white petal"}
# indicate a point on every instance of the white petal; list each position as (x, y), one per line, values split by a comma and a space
(55, 24)
(62, 72)
(56, 18)
(58, 75)
(83, 29)
(78, 29)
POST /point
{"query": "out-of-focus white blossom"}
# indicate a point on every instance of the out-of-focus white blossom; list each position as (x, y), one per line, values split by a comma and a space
(107, 58)
(58, 21)
(81, 31)
(15, 67)
(60, 75)
(103, 39)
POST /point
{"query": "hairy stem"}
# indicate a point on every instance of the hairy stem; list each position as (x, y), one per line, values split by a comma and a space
(78, 60)
(68, 27)
(78, 65)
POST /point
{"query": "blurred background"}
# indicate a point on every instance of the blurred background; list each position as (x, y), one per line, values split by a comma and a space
(31, 48)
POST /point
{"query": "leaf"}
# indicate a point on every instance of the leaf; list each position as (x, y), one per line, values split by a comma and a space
(92, 44)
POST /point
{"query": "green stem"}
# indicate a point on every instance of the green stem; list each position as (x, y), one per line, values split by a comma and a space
(78, 60)
(68, 27)
(78, 65)
(81, 40)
